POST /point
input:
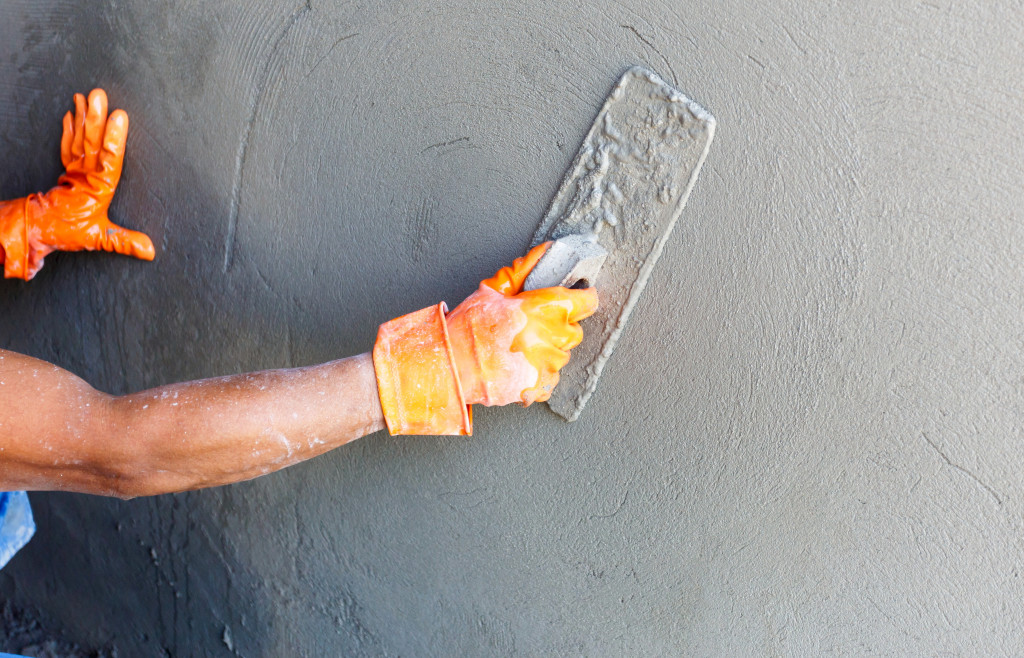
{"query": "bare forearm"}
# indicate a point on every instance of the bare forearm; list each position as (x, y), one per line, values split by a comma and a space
(223, 430)
(176, 437)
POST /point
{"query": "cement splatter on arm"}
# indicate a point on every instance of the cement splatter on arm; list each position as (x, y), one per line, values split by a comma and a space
(59, 433)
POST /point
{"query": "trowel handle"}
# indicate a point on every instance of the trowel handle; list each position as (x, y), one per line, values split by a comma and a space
(573, 261)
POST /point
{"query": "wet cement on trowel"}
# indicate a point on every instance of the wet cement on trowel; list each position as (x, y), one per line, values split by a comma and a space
(794, 448)
(625, 190)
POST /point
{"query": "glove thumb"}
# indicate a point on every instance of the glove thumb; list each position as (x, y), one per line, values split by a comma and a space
(126, 242)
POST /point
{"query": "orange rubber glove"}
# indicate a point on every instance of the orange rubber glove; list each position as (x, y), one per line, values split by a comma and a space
(500, 345)
(73, 215)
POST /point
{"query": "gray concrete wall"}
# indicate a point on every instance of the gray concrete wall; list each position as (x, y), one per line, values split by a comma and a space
(810, 438)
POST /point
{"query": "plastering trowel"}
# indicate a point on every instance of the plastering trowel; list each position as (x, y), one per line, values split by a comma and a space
(614, 210)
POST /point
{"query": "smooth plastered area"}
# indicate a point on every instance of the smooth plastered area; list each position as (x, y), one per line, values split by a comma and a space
(809, 440)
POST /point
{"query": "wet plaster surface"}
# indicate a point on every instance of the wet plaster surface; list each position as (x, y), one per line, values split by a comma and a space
(808, 440)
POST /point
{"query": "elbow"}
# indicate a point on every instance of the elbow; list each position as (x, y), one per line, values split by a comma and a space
(137, 485)
(127, 491)
(103, 480)
(125, 461)
(134, 479)
(121, 494)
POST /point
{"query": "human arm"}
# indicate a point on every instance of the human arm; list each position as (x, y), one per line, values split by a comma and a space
(59, 433)
(501, 345)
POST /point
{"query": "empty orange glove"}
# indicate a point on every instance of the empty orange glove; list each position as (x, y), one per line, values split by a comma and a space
(500, 345)
(73, 215)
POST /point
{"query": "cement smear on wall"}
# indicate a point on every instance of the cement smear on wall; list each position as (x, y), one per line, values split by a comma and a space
(808, 441)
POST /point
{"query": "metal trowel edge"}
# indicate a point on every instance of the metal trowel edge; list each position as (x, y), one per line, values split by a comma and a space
(615, 208)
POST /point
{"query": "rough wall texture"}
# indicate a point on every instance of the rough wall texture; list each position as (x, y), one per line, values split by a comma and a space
(809, 440)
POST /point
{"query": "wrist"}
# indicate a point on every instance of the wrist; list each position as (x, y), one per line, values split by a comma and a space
(14, 239)
(417, 377)
(464, 352)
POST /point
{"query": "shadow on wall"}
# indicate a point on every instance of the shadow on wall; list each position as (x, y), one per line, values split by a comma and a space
(153, 593)
(154, 565)
(161, 566)
(170, 568)
(166, 574)
(28, 632)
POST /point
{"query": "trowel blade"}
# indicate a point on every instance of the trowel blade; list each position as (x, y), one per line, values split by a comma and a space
(628, 185)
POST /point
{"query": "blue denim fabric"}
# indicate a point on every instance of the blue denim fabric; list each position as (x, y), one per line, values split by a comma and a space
(16, 524)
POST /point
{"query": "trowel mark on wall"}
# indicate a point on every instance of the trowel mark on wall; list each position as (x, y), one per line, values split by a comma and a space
(421, 226)
(441, 145)
(323, 58)
(949, 462)
(243, 145)
(647, 42)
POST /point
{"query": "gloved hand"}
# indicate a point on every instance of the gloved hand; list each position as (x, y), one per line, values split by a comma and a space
(500, 345)
(73, 215)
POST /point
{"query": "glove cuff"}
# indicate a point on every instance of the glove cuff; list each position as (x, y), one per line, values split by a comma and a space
(417, 380)
(14, 238)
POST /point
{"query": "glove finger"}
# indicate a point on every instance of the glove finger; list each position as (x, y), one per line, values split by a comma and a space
(65, 141)
(95, 120)
(111, 156)
(575, 304)
(542, 391)
(568, 337)
(584, 303)
(78, 141)
(548, 321)
(126, 242)
(509, 280)
(553, 360)
(559, 335)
